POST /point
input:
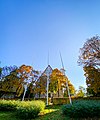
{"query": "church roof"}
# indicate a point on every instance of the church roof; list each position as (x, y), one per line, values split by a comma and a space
(47, 71)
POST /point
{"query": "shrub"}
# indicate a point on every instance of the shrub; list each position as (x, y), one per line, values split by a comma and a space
(44, 100)
(8, 105)
(82, 109)
(24, 109)
(60, 101)
(30, 109)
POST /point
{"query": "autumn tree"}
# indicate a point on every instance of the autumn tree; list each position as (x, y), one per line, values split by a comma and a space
(30, 93)
(6, 70)
(14, 78)
(0, 72)
(90, 53)
(12, 84)
(40, 85)
(27, 75)
(58, 83)
(71, 88)
(81, 92)
(90, 59)
(9, 82)
(92, 80)
(31, 90)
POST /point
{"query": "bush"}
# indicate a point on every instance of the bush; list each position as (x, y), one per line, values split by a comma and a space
(60, 101)
(44, 100)
(23, 109)
(82, 109)
(30, 109)
(8, 105)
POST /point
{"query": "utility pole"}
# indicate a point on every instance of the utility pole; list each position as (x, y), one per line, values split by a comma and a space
(63, 70)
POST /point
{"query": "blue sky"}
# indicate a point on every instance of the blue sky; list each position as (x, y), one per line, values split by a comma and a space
(29, 29)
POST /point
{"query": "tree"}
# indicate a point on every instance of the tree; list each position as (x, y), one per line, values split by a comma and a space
(92, 80)
(0, 72)
(6, 70)
(81, 91)
(71, 88)
(30, 91)
(56, 84)
(40, 87)
(26, 75)
(10, 84)
(90, 53)
(13, 79)
(57, 81)
(90, 59)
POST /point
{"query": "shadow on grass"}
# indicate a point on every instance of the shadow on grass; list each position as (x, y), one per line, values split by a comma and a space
(52, 113)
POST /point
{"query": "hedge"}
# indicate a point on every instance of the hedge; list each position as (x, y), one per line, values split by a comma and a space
(82, 109)
(23, 109)
(30, 109)
(60, 101)
(8, 105)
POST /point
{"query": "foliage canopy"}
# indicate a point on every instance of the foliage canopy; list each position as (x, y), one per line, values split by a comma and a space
(90, 52)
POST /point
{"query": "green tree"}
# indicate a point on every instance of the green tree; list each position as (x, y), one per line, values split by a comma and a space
(92, 80)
